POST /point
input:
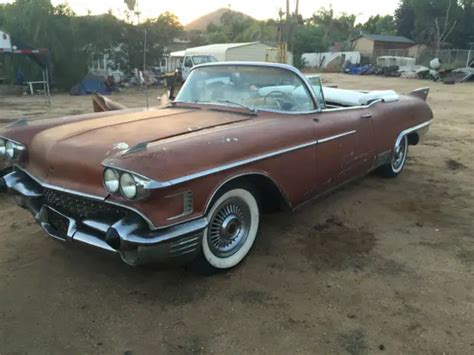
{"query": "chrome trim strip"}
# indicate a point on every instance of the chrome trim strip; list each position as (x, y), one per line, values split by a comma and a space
(152, 185)
(188, 204)
(194, 226)
(159, 185)
(13, 141)
(337, 136)
(359, 107)
(411, 130)
(266, 110)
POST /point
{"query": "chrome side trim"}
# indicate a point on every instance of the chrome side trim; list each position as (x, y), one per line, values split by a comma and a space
(359, 107)
(152, 185)
(12, 140)
(337, 136)
(411, 130)
(162, 184)
(188, 204)
(127, 233)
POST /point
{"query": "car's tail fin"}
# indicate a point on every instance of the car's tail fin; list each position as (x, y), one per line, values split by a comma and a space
(421, 94)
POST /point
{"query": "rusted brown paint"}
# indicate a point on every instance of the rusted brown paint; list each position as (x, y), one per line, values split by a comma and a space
(68, 152)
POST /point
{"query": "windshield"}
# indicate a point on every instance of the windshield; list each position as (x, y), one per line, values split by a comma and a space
(255, 87)
(203, 59)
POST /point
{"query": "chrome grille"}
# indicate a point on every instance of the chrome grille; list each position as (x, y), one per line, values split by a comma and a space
(84, 208)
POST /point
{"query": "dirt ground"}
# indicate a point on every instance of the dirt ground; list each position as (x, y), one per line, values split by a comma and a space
(380, 266)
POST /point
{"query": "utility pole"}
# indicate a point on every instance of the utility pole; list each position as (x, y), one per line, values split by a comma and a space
(144, 69)
(287, 26)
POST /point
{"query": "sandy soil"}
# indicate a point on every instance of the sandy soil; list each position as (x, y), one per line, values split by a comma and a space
(381, 266)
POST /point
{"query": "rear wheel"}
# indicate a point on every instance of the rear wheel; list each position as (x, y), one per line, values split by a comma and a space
(233, 225)
(397, 161)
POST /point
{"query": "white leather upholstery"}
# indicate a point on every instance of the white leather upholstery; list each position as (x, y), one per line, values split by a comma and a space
(358, 98)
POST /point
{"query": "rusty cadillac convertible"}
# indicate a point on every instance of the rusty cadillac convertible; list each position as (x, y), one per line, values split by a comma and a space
(188, 182)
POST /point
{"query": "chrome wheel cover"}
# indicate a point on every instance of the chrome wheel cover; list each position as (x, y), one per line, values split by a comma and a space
(399, 155)
(229, 227)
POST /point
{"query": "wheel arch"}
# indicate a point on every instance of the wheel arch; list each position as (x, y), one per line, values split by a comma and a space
(413, 138)
(271, 195)
(412, 133)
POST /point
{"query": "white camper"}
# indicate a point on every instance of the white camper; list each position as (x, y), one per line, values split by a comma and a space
(224, 52)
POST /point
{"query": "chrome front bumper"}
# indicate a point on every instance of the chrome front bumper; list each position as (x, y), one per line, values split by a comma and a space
(123, 232)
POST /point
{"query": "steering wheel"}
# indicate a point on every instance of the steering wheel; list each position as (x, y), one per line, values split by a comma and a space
(282, 100)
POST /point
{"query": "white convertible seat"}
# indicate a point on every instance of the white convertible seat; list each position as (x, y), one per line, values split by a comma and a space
(358, 98)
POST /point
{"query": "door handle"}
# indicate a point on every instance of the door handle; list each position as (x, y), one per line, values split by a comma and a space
(366, 115)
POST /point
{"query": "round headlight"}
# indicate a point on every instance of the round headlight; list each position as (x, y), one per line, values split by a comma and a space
(2, 147)
(128, 186)
(10, 150)
(111, 180)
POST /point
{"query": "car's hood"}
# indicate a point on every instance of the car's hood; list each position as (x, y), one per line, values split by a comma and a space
(70, 155)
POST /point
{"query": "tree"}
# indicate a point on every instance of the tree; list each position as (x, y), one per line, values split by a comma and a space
(444, 31)
(405, 19)
(384, 25)
(334, 28)
(73, 40)
(436, 22)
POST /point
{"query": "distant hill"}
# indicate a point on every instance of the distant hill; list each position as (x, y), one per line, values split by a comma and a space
(202, 22)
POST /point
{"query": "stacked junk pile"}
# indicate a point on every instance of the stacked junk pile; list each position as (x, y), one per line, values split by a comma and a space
(406, 67)
(104, 84)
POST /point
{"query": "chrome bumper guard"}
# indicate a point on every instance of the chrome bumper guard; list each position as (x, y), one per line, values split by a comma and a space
(128, 236)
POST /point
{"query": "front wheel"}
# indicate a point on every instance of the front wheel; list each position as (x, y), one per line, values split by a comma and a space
(397, 161)
(233, 225)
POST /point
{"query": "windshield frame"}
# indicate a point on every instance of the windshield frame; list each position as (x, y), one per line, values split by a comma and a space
(289, 68)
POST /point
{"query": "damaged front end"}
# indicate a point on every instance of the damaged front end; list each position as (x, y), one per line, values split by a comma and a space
(72, 217)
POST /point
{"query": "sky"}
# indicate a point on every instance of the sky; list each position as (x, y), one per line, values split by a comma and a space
(188, 10)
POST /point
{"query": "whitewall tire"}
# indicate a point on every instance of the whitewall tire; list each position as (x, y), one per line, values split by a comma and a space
(234, 219)
(397, 160)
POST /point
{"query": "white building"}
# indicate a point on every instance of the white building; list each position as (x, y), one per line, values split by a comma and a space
(327, 59)
(5, 42)
(227, 52)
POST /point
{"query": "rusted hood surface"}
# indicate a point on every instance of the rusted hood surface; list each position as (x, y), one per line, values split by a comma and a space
(70, 155)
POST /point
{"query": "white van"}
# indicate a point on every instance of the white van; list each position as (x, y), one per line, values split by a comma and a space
(192, 60)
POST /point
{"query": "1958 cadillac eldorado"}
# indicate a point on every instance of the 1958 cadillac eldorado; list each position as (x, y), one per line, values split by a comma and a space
(189, 182)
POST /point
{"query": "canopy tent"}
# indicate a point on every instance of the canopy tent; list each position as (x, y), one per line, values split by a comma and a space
(12, 46)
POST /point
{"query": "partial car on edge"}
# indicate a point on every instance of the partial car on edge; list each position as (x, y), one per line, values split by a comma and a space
(188, 183)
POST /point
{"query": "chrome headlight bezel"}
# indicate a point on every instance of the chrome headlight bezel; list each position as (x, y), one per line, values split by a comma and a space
(10, 150)
(128, 186)
(131, 186)
(111, 179)
(3, 142)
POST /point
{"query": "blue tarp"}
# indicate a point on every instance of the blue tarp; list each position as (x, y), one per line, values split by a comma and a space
(355, 69)
(91, 84)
